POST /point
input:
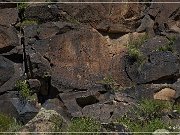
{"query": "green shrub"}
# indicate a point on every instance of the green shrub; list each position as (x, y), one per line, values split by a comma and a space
(109, 83)
(169, 46)
(146, 117)
(8, 124)
(58, 122)
(23, 88)
(166, 48)
(84, 125)
(22, 5)
(142, 125)
(177, 108)
(151, 109)
(172, 39)
(133, 48)
(29, 22)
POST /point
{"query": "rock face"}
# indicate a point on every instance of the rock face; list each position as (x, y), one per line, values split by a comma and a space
(161, 19)
(111, 18)
(78, 61)
(75, 57)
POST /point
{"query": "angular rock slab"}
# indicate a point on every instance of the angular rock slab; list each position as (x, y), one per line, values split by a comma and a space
(10, 73)
(160, 66)
(8, 39)
(8, 16)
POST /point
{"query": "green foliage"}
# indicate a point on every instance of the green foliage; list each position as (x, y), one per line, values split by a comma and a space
(177, 108)
(8, 124)
(151, 109)
(141, 125)
(57, 121)
(166, 48)
(28, 22)
(147, 116)
(22, 5)
(169, 46)
(172, 39)
(23, 88)
(84, 125)
(133, 48)
(108, 80)
(109, 83)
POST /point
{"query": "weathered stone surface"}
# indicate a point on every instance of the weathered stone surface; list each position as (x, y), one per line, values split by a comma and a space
(34, 85)
(109, 17)
(8, 39)
(102, 112)
(6, 70)
(147, 25)
(7, 107)
(26, 110)
(42, 13)
(45, 121)
(165, 94)
(23, 111)
(165, 16)
(8, 16)
(58, 106)
(140, 92)
(89, 60)
(154, 44)
(10, 74)
(176, 45)
(75, 101)
(160, 65)
(39, 65)
(76, 56)
(75, 62)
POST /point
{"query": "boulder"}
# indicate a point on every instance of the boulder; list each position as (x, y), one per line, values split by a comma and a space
(23, 111)
(10, 74)
(138, 92)
(101, 112)
(8, 39)
(45, 121)
(75, 101)
(165, 94)
(26, 109)
(6, 70)
(160, 66)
